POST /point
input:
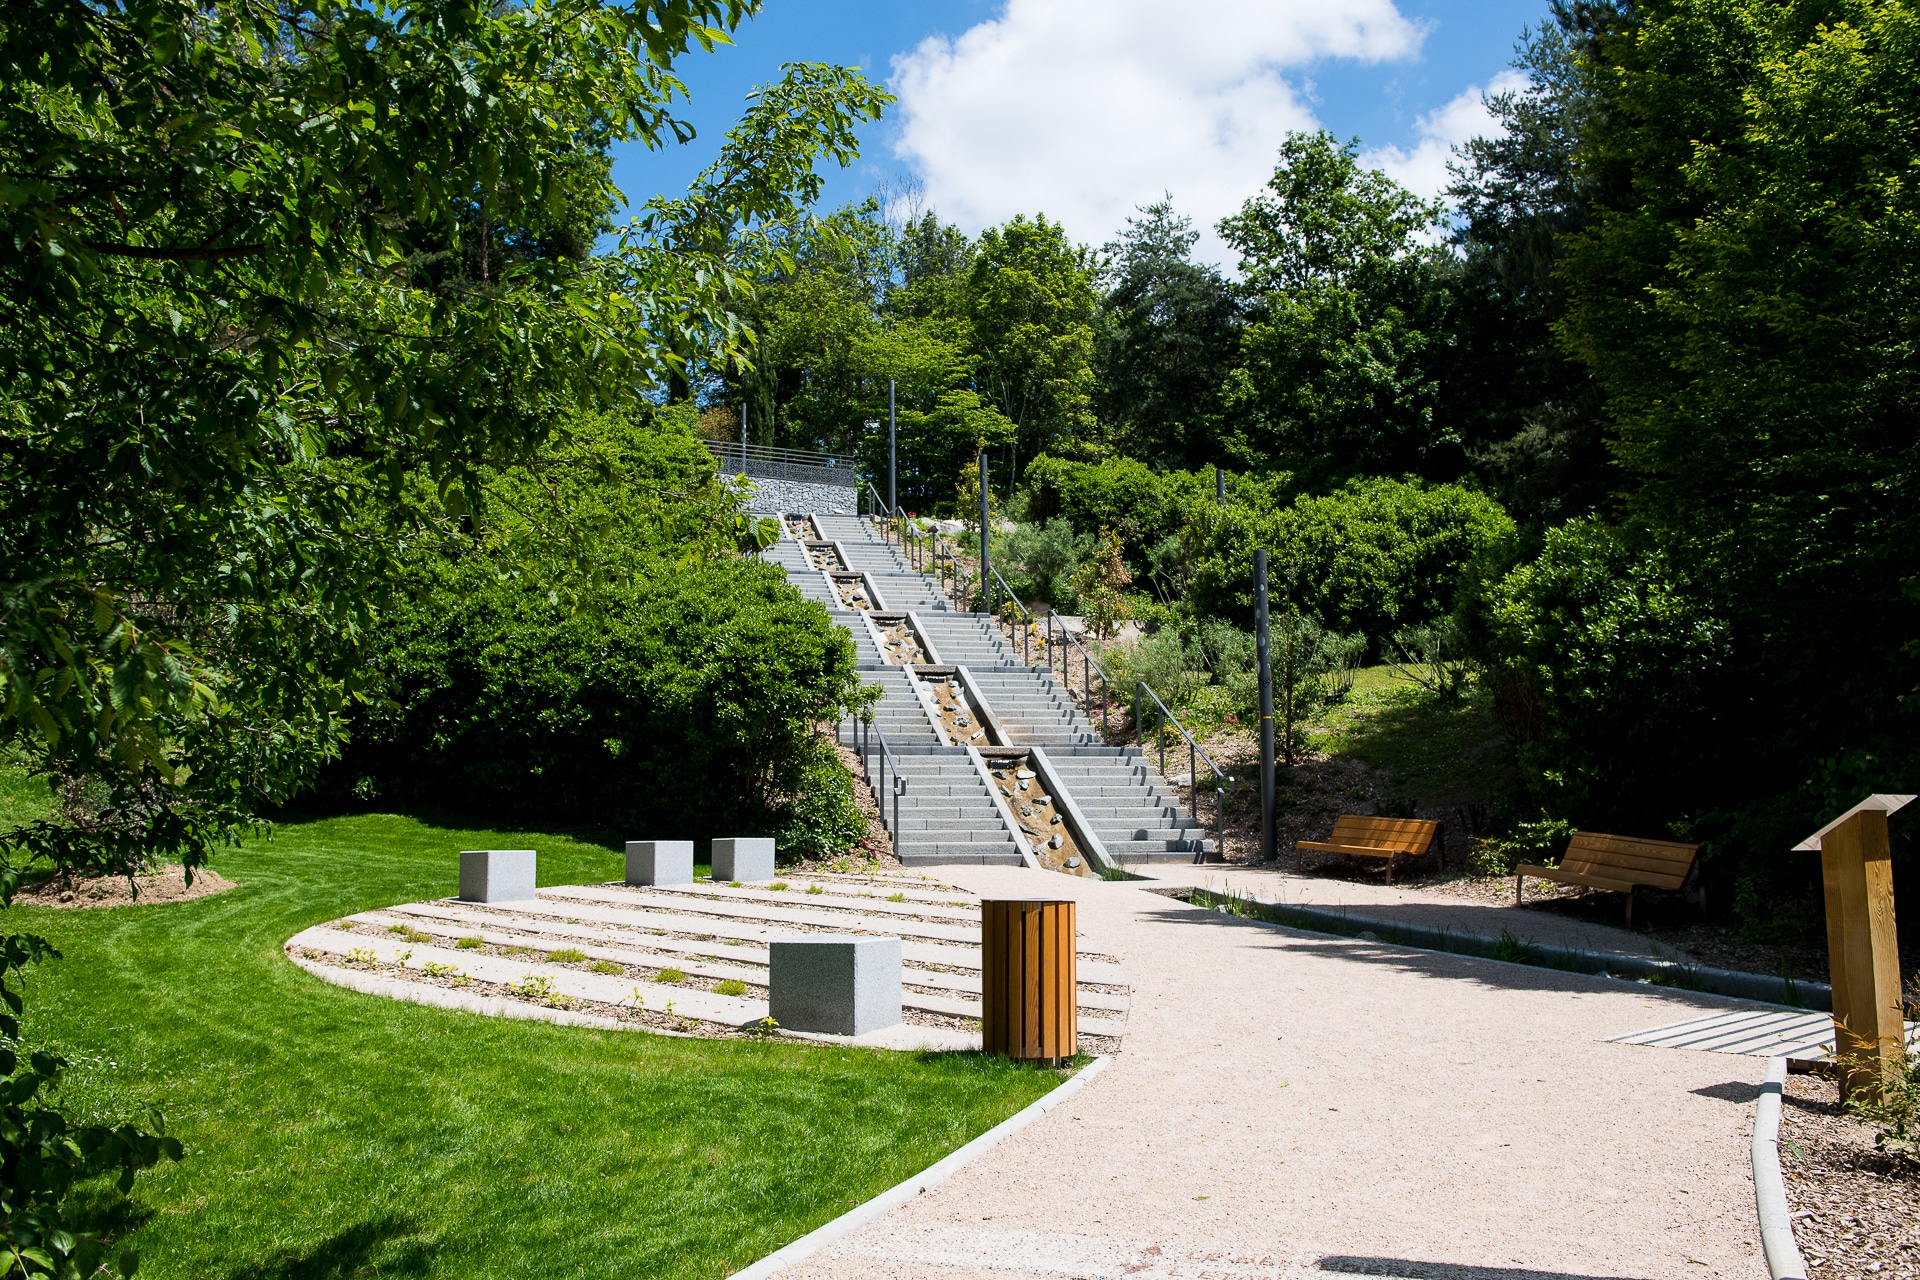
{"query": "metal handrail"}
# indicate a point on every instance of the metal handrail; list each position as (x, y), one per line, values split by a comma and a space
(1026, 639)
(870, 733)
(1088, 668)
(879, 507)
(1195, 753)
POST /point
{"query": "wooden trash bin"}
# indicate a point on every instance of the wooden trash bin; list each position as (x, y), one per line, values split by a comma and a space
(1028, 979)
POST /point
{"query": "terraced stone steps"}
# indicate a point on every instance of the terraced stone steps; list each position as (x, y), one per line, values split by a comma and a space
(709, 934)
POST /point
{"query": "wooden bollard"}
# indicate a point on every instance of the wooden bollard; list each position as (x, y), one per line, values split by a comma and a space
(1863, 951)
(1028, 981)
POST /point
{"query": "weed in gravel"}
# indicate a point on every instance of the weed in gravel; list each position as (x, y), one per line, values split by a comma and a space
(1515, 950)
(360, 955)
(410, 933)
(607, 966)
(730, 987)
(566, 955)
(814, 888)
(468, 944)
(896, 897)
(669, 975)
(778, 885)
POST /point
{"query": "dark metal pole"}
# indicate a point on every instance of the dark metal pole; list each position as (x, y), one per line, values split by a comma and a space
(743, 433)
(986, 577)
(1220, 485)
(1269, 838)
(893, 466)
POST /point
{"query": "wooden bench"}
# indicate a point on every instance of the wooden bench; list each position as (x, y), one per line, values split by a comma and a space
(1619, 864)
(1387, 838)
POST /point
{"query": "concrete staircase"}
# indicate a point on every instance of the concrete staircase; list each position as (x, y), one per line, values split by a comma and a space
(947, 815)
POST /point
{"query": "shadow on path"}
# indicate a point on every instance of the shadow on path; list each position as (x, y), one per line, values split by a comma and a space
(1410, 1269)
(1501, 974)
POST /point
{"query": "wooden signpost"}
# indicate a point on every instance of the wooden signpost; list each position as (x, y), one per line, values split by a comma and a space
(1863, 951)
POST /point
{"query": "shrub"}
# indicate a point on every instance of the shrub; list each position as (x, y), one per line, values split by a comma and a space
(1600, 657)
(1540, 843)
(1372, 557)
(680, 702)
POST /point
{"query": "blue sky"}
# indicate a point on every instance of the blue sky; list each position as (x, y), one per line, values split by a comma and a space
(1085, 108)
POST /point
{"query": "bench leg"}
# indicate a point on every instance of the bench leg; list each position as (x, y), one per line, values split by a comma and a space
(1517, 882)
(1629, 908)
(1389, 868)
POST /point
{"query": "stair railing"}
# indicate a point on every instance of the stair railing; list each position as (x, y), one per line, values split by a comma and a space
(1088, 669)
(1195, 754)
(866, 736)
(877, 506)
(1026, 634)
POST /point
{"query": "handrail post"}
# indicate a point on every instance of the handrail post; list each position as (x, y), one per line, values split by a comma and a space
(1193, 781)
(1138, 741)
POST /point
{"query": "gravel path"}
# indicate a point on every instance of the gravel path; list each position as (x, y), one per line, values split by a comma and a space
(1289, 1103)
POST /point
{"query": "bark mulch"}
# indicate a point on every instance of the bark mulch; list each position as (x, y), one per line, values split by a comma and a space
(1856, 1209)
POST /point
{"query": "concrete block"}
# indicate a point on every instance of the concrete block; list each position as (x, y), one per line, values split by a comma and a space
(842, 986)
(496, 875)
(745, 859)
(659, 862)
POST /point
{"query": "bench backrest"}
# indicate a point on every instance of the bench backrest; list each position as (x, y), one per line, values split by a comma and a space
(1410, 835)
(1657, 864)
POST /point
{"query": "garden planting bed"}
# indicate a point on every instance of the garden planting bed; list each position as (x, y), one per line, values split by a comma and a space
(1856, 1209)
(692, 959)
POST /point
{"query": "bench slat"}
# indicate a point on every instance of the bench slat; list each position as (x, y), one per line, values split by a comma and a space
(1365, 851)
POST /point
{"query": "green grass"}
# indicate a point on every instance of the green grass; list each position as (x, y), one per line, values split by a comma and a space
(1431, 750)
(332, 1134)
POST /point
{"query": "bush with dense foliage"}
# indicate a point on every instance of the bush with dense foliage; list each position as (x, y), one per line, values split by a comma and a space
(1371, 557)
(1603, 665)
(683, 705)
(598, 652)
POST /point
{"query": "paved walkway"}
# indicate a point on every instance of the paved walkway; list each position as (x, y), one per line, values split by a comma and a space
(1432, 908)
(1289, 1103)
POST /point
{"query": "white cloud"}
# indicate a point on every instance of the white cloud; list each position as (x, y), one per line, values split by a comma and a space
(1088, 110)
(1422, 168)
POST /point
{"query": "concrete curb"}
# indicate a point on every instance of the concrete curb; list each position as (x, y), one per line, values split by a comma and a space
(932, 1176)
(1815, 997)
(1769, 1188)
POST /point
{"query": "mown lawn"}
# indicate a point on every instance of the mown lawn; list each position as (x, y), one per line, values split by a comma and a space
(1442, 751)
(332, 1134)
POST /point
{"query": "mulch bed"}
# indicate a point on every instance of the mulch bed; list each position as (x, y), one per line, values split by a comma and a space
(169, 884)
(1856, 1209)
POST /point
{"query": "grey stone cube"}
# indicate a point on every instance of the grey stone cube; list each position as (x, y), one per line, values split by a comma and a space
(842, 986)
(743, 858)
(659, 862)
(496, 875)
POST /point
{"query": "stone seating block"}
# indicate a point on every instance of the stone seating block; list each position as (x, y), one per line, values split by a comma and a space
(744, 858)
(659, 862)
(496, 875)
(841, 986)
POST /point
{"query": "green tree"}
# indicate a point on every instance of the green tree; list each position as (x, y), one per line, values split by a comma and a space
(1169, 335)
(1030, 303)
(279, 282)
(1745, 290)
(1527, 413)
(1346, 335)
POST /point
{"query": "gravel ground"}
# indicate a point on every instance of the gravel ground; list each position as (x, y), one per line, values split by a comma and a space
(1289, 1103)
(1856, 1210)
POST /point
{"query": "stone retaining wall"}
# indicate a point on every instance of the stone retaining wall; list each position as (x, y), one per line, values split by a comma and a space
(771, 497)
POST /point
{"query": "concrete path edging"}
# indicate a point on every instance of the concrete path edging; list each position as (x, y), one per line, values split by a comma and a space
(1769, 1188)
(933, 1175)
